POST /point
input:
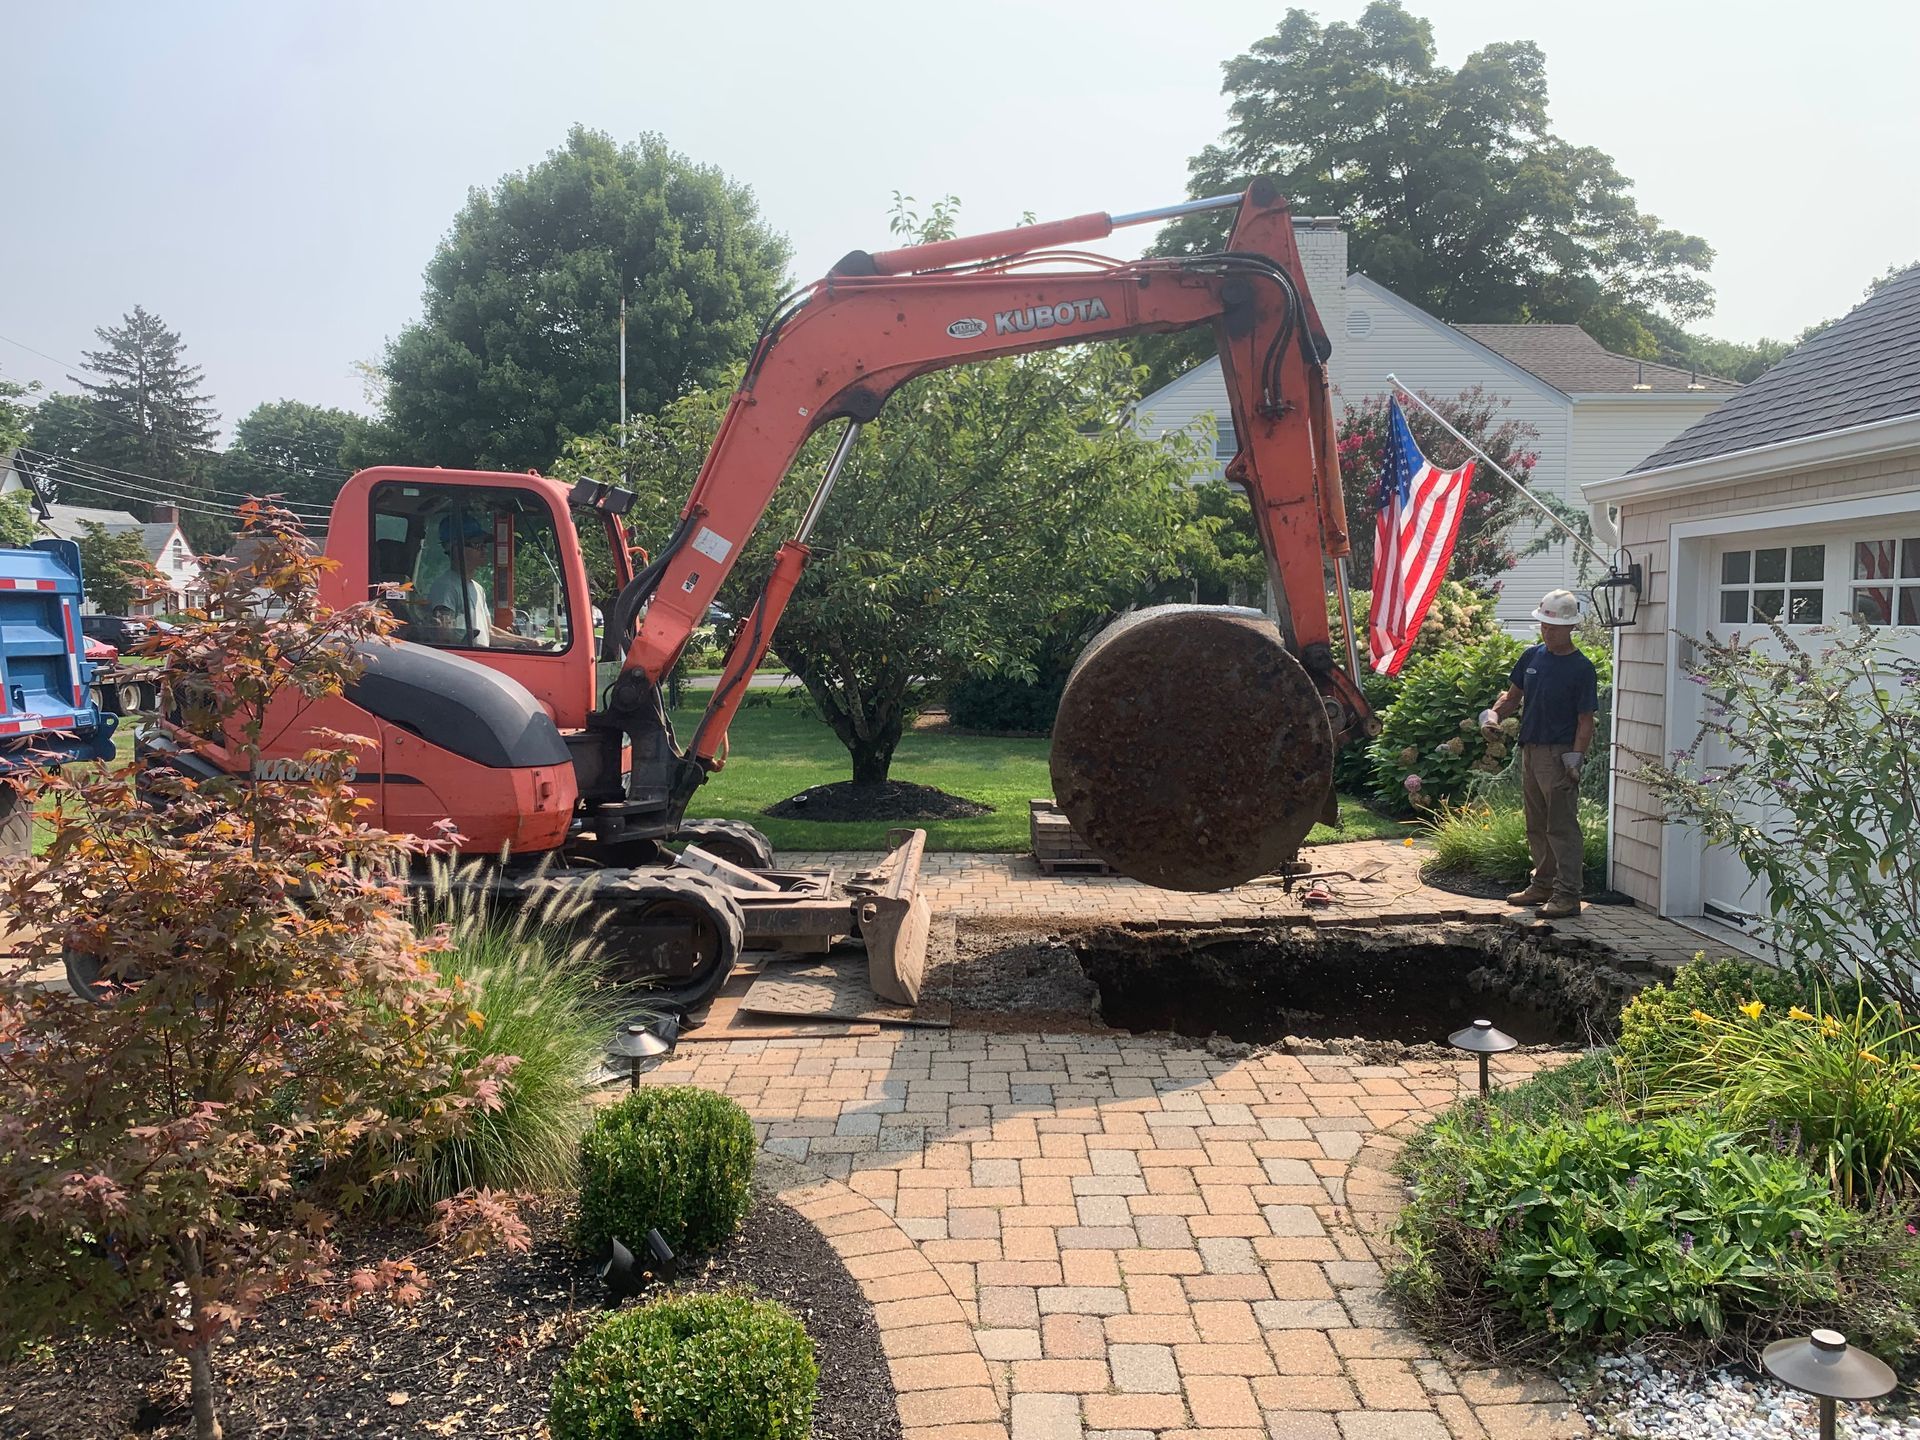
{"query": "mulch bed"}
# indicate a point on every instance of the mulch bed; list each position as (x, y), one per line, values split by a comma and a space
(889, 800)
(475, 1358)
(1480, 887)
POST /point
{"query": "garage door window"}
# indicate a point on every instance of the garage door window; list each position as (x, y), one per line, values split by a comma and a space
(1780, 582)
(1886, 581)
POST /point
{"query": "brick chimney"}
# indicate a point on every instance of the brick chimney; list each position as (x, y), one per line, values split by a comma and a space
(166, 515)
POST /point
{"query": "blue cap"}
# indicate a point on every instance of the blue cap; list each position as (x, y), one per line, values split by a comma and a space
(473, 529)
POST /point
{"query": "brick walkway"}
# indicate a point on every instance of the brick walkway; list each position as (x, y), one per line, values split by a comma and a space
(1096, 1237)
(1109, 1238)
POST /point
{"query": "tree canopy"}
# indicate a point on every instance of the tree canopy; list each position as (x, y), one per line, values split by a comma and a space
(986, 507)
(301, 452)
(1457, 194)
(518, 349)
(111, 562)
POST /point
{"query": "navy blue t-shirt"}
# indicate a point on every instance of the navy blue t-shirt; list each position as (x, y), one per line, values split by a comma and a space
(1558, 690)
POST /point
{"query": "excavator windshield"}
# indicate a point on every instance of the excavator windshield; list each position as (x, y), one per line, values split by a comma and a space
(466, 568)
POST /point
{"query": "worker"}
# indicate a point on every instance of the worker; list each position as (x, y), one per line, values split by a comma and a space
(456, 600)
(1556, 690)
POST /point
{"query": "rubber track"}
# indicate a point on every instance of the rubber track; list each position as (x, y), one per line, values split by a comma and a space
(696, 832)
(636, 890)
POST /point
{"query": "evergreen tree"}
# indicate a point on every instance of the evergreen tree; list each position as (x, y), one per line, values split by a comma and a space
(150, 415)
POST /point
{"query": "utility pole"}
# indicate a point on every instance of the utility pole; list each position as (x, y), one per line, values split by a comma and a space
(623, 362)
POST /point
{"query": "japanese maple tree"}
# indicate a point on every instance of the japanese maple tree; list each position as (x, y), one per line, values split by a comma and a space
(271, 1030)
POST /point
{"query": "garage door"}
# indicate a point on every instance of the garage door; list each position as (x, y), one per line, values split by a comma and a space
(1803, 580)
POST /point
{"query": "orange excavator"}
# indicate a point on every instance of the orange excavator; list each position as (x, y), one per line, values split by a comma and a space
(500, 712)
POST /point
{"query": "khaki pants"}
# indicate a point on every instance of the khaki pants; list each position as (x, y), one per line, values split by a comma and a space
(1553, 821)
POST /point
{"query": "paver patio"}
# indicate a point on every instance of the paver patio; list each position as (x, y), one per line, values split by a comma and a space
(1104, 1237)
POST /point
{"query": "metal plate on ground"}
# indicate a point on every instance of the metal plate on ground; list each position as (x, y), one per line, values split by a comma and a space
(834, 988)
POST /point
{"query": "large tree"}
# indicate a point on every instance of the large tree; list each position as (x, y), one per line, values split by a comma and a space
(147, 403)
(14, 413)
(299, 451)
(1457, 194)
(139, 432)
(986, 507)
(519, 346)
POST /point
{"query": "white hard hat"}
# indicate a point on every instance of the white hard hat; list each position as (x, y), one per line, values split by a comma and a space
(1558, 607)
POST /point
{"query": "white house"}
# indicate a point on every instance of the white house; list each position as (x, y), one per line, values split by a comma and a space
(1798, 500)
(166, 547)
(1596, 413)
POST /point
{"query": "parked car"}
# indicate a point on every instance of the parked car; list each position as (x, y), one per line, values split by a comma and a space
(99, 652)
(120, 630)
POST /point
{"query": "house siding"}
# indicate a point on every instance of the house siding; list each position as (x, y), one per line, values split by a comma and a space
(1641, 678)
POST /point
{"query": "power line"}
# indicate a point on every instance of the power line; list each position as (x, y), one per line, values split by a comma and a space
(116, 420)
(99, 489)
(109, 472)
(186, 507)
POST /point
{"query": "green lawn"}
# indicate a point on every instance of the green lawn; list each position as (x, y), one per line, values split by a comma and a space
(780, 750)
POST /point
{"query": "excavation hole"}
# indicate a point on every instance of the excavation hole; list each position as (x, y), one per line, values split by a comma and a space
(1260, 985)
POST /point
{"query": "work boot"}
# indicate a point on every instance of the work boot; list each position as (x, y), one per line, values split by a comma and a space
(1560, 910)
(1532, 895)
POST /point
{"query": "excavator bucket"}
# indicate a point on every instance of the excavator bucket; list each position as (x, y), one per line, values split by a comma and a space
(894, 918)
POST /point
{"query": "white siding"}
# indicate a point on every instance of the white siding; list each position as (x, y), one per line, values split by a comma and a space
(1612, 434)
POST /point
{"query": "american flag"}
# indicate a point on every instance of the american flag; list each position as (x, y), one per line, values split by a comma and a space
(1420, 509)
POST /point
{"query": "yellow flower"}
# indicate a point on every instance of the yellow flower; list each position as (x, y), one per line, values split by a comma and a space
(1753, 1009)
(1407, 841)
(1829, 1026)
(1796, 1013)
(1869, 1055)
(476, 1019)
(1702, 1017)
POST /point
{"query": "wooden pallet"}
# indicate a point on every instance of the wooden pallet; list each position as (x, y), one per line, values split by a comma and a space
(1056, 847)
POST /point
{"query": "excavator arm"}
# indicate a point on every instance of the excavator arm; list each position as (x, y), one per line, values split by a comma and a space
(835, 352)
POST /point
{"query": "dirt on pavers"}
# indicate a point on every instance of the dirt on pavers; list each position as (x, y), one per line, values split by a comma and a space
(1010, 977)
(475, 1357)
(889, 800)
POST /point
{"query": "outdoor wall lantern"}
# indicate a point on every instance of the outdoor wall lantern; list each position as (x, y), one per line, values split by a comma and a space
(1616, 599)
(1480, 1038)
(1826, 1366)
(645, 1046)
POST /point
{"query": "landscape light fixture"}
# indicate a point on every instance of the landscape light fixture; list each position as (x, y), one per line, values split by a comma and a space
(1480, 1038)
(1616, 599)
(1826, 1366)
(621, 1274)
(645, 1045)
(625, 1276)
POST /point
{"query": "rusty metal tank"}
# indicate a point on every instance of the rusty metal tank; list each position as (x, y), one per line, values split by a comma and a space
(1191, 750)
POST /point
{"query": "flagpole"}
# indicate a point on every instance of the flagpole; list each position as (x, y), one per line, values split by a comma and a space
(1495, 466)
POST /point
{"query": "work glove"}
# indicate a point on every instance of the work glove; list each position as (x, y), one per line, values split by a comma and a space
(1573, 760)
(1489, 722)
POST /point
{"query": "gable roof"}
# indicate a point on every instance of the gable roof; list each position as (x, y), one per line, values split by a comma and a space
(1862, 369)
(68, 522)
(1571, 360)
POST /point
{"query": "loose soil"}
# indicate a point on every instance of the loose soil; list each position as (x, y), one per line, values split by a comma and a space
(1390, 992)
(889, 800)
(476, 1357)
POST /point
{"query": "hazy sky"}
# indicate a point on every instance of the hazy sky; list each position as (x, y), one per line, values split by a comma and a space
(271, 178)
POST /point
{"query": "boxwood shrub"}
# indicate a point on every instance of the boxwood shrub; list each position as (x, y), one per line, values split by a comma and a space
(693, 1367)
(674, 1158)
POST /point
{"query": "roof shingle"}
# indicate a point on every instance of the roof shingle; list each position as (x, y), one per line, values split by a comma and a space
(1862, 368)
(1571, 360)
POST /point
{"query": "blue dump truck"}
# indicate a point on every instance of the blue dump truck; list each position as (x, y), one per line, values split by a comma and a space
(48, 710)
